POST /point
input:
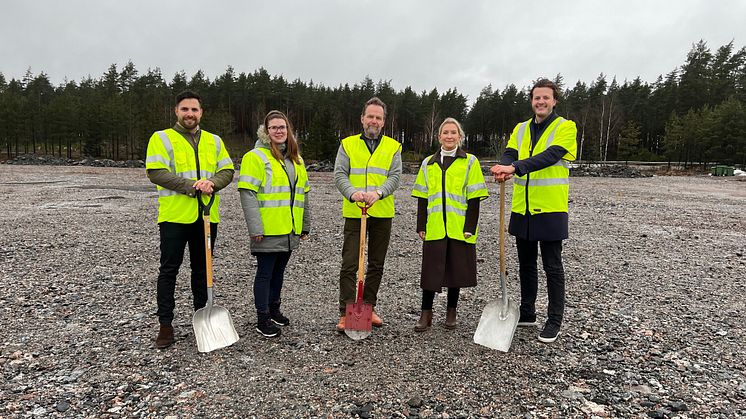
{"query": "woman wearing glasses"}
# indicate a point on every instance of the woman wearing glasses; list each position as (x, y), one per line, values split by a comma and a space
(273, 184)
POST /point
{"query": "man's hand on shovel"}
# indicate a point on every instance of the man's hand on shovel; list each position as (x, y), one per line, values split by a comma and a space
(371, 197)
(502, 172)
(205, 186)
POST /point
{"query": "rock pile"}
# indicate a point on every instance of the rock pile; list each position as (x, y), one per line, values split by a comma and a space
(617, 171)
(37, 159)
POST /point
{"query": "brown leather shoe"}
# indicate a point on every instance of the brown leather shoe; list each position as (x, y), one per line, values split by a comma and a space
(375, 320)
(341, 324)
(450, 318)
(425, 321)
(165, 337)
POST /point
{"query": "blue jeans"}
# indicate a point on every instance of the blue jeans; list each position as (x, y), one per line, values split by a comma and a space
(270, 272)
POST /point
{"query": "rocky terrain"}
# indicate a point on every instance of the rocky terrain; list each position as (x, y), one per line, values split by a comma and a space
(654, 322)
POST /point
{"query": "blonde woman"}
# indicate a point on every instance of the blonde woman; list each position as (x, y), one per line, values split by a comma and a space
(448, 189)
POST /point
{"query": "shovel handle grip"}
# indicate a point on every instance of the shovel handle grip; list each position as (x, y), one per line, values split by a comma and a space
(205, 207)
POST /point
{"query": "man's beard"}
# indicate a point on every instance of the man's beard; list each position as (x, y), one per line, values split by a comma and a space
(372, 132)
(189, 123)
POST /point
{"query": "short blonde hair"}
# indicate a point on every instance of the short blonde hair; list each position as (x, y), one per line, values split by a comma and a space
(453, 121)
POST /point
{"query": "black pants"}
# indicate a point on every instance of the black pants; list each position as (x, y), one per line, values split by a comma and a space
(174, 239)
(379, 235)
(429, 296)
(270, 273)
(551, 257)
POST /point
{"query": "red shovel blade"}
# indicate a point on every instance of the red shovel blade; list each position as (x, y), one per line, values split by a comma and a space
(358, 323)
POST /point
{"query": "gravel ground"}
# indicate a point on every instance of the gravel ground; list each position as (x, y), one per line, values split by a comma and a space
(654, 320)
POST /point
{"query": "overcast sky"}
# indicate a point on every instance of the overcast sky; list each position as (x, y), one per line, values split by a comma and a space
(422, 44)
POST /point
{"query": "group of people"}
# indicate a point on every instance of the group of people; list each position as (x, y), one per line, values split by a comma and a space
(274, 188)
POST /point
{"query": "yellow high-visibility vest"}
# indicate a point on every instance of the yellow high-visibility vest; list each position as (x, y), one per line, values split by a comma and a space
(548, 189)
(368, 172)
(463, 181)
(169, 150)
(262, 173)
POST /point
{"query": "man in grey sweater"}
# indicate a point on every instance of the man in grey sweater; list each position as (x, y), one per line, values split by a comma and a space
(366, 173)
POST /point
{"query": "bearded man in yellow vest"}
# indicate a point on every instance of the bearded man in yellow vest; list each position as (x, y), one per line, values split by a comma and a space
(367, 170)
(537, 158)
(182, 161)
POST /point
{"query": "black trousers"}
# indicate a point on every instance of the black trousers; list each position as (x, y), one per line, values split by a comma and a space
(379, 235)
(551, 257)
(174, 239)
(270, 274)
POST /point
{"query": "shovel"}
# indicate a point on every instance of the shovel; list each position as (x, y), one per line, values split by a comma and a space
(358, 323)
(500, 317)
(213, 327)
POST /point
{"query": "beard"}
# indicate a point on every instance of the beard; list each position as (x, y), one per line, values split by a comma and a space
(189, 123)
(372, 132)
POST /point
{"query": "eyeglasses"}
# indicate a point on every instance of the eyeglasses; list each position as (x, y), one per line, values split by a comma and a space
(278, 128)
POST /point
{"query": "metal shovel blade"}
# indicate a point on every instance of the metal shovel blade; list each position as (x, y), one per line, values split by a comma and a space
(213, 327)
(497, 325)
(358, 320)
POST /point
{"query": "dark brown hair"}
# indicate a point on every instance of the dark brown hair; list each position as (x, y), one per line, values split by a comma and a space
(188, 94)
(546, 83)
(291, 144)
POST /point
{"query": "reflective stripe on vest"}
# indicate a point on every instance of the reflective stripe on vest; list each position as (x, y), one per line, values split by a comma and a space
(545, 190)
(368, 172)
(281, 211)
(462, 184)
(169, 150)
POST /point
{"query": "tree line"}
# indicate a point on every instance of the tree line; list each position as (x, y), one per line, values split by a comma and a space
(693, 114)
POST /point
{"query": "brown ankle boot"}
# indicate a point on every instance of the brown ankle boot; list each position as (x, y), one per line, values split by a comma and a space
(165, 337)
(425, 321)
(450, 318)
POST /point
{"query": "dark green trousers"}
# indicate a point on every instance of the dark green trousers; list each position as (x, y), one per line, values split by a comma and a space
(379, 235)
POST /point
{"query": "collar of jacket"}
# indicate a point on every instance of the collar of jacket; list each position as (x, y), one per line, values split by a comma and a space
(436, 157)
(378, 139)
(261, 144)
(545, 123)
(194, 138)
(181, 130)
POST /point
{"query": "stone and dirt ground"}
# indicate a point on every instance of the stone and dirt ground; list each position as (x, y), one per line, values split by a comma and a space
(654, 325)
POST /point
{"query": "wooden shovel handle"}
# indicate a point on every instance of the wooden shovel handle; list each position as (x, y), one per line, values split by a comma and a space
(208, 234)
(502, 228)
(361, 255)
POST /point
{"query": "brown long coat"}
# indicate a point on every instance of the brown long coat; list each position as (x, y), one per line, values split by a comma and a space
(447, 262)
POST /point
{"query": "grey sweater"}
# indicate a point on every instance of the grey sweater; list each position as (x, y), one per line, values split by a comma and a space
(342, 171)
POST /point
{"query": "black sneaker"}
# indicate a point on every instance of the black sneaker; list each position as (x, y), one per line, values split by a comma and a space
(276, 315)
(279, 319)
(550, 333)
(527, 320)
(267, 328)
